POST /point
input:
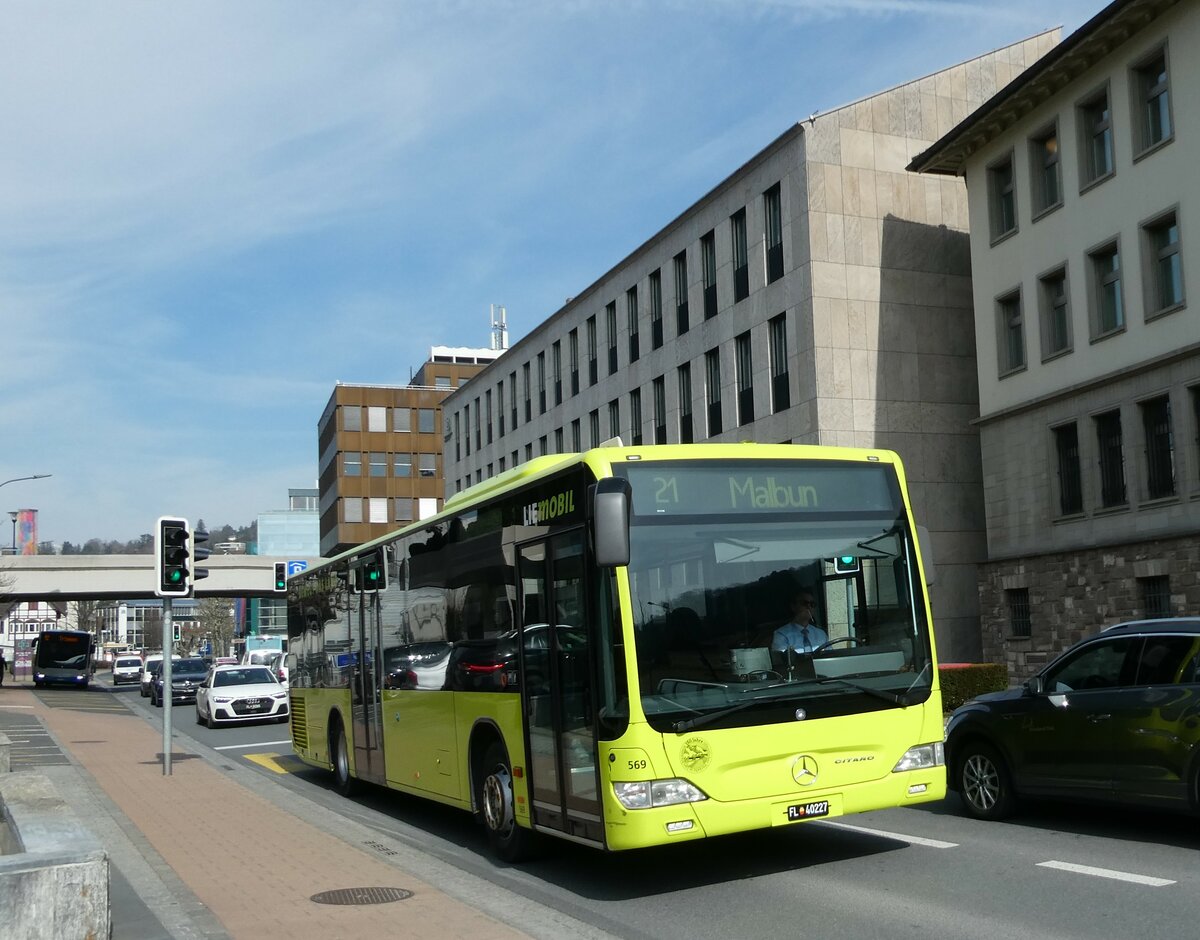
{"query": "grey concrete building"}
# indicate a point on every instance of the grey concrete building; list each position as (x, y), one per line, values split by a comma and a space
(819, 294)
(1081, 183)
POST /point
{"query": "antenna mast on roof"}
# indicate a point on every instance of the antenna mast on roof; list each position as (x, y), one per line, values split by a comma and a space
(499, 327)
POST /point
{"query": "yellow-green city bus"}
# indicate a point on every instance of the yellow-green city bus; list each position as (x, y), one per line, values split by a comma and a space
(589, 646)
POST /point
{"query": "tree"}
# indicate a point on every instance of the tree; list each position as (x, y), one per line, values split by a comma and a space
(216, 620)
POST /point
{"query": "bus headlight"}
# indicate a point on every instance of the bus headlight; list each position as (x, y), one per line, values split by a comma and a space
(921, 757)
(644, 794)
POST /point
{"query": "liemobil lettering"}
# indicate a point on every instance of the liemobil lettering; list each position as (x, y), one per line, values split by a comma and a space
(769, 494)
(544, 510)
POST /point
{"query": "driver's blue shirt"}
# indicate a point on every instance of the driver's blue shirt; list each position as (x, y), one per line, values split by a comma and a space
(795, 637)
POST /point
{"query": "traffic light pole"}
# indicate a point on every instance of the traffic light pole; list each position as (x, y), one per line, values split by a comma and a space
(168, 644)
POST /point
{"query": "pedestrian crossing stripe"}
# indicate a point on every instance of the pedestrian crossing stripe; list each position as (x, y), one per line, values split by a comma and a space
(277, 763)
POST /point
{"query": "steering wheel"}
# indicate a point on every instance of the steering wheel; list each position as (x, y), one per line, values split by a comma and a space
(841, 639)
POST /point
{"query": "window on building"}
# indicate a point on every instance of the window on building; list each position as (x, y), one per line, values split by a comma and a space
(1195, 393)
(351, 465)
(529, 451)
(441, 381)
(573, 359)
(1070, 480)
(352, 509)
(744, 375)
(594, 427)
(402, 465)
(1011, 327)
(543, 446)
(351, 417)
(659, 391)
(401, 419)
(781, 396)
(1162, 264)
(1096, 138)
(404, 510)
(635, 417)
(681, 293)
(500, 464)
(377, 509)
(593, 372)
(1045, 171)
(1160, 447)
(500, 407)
(1156, 596)
(685, 403)
(556, 370)
(1002, 197)
(708, 270)
(478, 425)
(656, 326)
(1019, 623)
(773, 225)
(631, 317)
(426, 421)
(541, 380)
(576, 437)
(712, 390)
(610, 320)
(1108, 305)
(457, 437)
(427, 465)
(1055, 311)
(1112, 459)
(377, 418)
(377, 464)
(741, 260)
(512, 398)
(487, 416)
(526, 383)
(1152, 101)
(558, 440)
(614, 418)
(467, 427)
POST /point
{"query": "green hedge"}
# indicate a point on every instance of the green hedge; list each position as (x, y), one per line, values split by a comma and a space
(961, 682)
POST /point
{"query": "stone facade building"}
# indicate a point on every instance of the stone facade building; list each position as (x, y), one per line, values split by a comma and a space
(1081, 183)
(820, 294)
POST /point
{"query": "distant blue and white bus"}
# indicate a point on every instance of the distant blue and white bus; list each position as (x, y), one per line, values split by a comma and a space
(63, 657)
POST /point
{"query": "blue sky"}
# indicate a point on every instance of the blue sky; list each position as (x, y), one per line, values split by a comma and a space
(212, 212)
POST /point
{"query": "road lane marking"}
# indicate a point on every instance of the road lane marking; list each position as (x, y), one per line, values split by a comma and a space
(915, 840)
(1108, 873)
(234, 747)
(274, 762)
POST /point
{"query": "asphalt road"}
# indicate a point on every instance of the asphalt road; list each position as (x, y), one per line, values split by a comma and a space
(1055, 871)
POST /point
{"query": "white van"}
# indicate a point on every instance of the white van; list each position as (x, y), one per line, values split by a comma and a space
(147, 673)
(126, 668)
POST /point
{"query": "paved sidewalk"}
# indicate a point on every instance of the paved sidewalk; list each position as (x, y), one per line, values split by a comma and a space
(250, 865)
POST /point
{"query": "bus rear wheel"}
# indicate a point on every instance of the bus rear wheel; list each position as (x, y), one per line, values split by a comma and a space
(345, 784)
(509, 840)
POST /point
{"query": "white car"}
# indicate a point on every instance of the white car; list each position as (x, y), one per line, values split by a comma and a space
(148, 673)
(241, 693)
(126, 669)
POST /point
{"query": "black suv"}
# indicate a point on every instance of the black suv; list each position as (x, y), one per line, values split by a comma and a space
(186, 677)
(1116, 718)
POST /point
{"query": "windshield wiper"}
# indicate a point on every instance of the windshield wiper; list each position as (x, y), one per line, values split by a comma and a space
(893, 697)
(687, 724)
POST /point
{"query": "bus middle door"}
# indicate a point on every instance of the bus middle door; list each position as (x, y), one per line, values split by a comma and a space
(556, 686)
(364, 691)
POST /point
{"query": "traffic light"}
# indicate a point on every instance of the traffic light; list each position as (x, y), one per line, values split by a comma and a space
(177, 629)
(200, 551)
(281, 577)
(371, 574)
(171, 558)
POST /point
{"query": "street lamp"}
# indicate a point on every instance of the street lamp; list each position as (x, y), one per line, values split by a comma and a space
(13, 515)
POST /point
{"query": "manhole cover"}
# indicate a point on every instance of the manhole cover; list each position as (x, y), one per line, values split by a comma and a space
(361, 896)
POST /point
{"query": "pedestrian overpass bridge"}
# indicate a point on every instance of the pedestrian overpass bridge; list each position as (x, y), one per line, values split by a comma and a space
(133, 577)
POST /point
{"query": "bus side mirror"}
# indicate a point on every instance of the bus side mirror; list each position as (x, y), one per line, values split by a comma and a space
(610, 522)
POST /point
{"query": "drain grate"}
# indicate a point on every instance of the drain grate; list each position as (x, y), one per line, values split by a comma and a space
(361, 896)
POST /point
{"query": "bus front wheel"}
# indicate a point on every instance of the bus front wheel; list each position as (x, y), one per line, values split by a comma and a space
(510, 841)
(345, 784)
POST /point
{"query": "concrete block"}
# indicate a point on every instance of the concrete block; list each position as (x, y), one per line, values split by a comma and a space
(5, 753)
(53, 873)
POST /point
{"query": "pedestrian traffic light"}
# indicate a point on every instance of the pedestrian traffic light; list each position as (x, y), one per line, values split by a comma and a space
(177, 629)
(171, 558)
(281, 577)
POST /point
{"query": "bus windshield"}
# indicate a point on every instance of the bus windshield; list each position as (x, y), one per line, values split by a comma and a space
(62, 651)
(717, 625)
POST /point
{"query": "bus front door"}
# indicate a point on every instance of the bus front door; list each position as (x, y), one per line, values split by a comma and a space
(556, 664)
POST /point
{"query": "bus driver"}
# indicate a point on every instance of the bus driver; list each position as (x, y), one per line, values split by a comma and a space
(801, 634)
